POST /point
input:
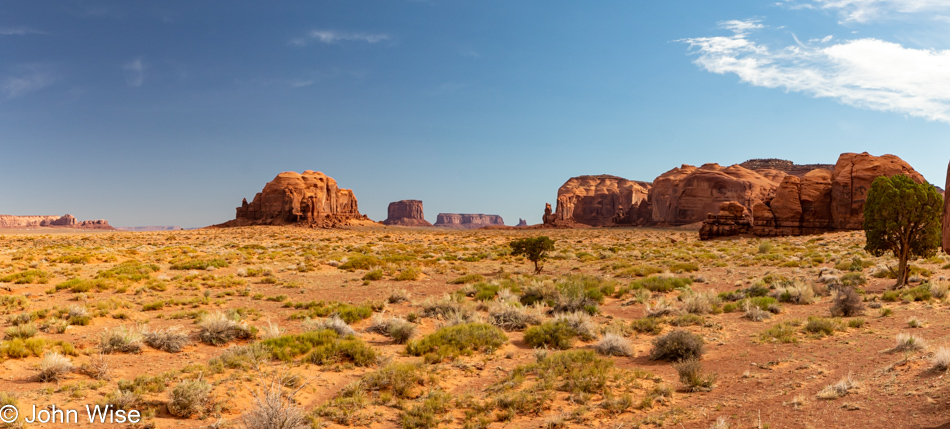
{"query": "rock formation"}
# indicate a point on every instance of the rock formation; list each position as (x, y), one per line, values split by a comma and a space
(946, 216)
(687, 194)
(732, 219)
(522, 222)
(786, 166)
(602, 200)
(65, 221)
(548, 217)
(468, 221)
(406, 213)
(820, 200)
(311, 198)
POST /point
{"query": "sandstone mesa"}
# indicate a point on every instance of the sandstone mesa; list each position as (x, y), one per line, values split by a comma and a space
(65, 221)
(468, 221)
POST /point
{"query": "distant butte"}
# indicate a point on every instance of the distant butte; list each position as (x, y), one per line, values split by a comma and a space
(468, 221)
(65, 221)
(309, 199)
(406, 213)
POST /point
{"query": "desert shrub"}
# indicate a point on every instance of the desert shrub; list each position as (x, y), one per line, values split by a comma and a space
(120, 340)
(941, 359)
(21, 331)
(361, 262)
(466, 279)
(539, 293)
(659, 309)
(701, 303)
(684, 267)
(938, 290)
(754, 312)
(189, 397)
(676, 346)
(613, 345)
(452, 341)
(98, 367)
(647, 325)
(348, 312)
(130, 271)
(274, 409)
(217, 329)
(427, 414)
(376, 274)
(398, 377)
(914, 322)
(398, 329)
(574, 371)
(781, 332)
(27, 277)
(349, 348)
(287, 347)
(687, 320)
(514, 317)
(890, 296)
(443, 308)
(572, 296)
(639, 271)
(408, 274)
(821, 326)
(333, 323)
(662, 284)
(579, 322)
(856, 323)
(853, 279)
(198, 264)
(171, 340)
(691, 375)
(909, 342)
(795, 293)
(397, 296)
(240, 357)
(847, 303)
(123, 399)
(919, 293)
(551, 334)
(54, 366)
(535, 249)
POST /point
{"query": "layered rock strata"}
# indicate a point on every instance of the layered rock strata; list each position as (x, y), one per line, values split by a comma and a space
(468, 221)
(406, 213)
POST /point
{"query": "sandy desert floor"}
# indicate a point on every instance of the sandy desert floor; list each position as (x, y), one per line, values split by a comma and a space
(98, 318)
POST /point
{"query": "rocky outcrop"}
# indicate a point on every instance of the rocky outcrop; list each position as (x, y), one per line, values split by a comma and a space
(548, 218)
(406, 213)
(602, 200)
(522, 222)
(468, 221)
(732, 219)
(821, 200)
(852, 179)
(149, 228)
(946, 216)
(688, 194)
(65, 221)
(786, 166)
(308, 199)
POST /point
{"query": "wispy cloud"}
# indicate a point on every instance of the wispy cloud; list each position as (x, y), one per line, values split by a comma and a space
(867, 73)
(135, 75)
(331, 37)
(18, 31)
(26, 79)
(863, 11)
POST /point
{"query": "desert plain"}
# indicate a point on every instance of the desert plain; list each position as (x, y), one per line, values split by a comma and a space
(373, 326)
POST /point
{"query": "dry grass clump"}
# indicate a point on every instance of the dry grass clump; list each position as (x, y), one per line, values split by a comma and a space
(274, 409)
(691, 375)
(938, 290)
(677, 346)
(551, 334)
(217, 328)
(397, 296)
(98, 367)
(701, 303)
(171, 340)
(333, 323)
(580, 323)
(795, 293)
(54, 366)
(839, 389)
(755, 313)
(120, 340)
(909, 342)
(847, 303)
(659, 309)
(452, 341)
(189, 397)
(445, 307)
(514, 316)
(612, 344)
(396, 328)
(941, 359)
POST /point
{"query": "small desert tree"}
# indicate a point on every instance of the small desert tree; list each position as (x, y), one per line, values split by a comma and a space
(903, 217)
(535, 249)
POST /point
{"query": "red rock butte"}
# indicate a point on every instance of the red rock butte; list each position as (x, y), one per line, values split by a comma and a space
(468, 221)
(308, 199)
(946, 215)
(406, 213)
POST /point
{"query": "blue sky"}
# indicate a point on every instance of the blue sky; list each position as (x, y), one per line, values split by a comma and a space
(169, 113)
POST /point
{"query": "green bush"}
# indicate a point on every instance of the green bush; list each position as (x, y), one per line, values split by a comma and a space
(452, 341)
(662, 284)
(350, 348)
(573, 371)
(361, 262)
(821, 326)
(676, 346)
(376, 274)
(471, 278)
(27, 277)
(647, 325)
(199, 264)
(557, 335)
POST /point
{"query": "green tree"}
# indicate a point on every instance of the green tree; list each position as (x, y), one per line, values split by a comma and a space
(903, 217)
(535, 249)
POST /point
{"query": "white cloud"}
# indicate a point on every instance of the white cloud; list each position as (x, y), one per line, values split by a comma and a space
(136, 72)
(866, 73)
(331, 37)
(27, 79)
(18, 31)
(863, 11)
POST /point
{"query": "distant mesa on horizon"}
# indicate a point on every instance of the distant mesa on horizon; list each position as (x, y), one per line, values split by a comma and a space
(150, 228)
(309, 199)
(468, 220)
(522, 222)
(406, 213)
(52, 221)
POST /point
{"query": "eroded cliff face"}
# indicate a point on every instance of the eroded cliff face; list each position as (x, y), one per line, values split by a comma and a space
(688, 194)
(311, 198)
(468, 221)
(946, 215)
(852, 179)
(65, 221)
(601, 200)
(406, 213)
